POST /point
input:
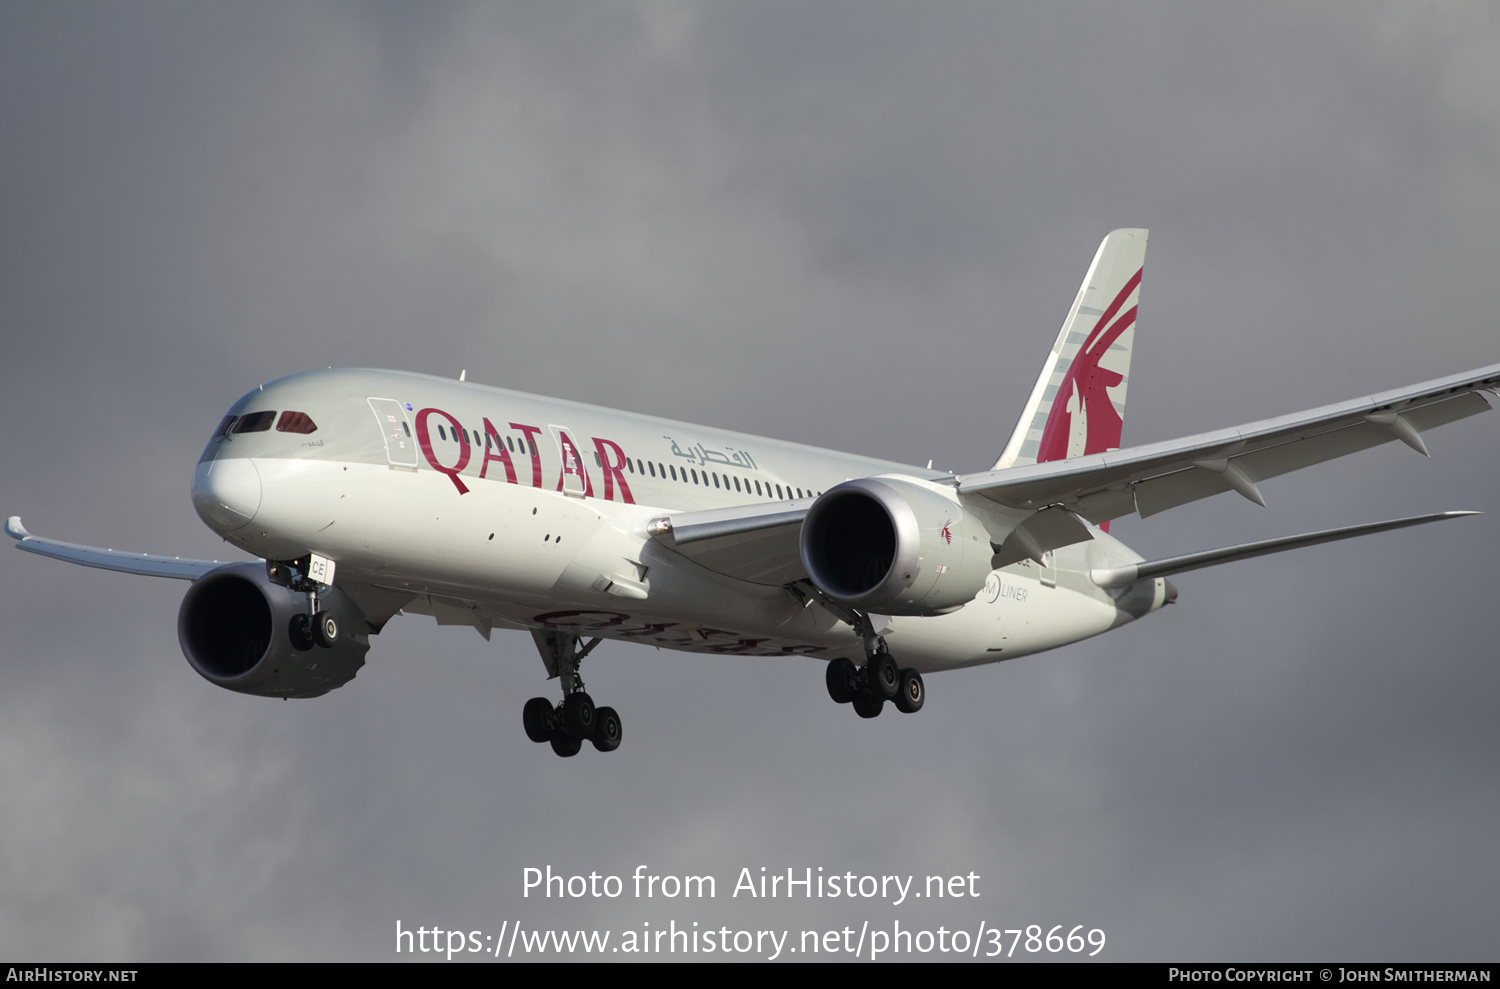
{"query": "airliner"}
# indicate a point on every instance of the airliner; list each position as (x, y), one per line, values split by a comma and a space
(367, 494)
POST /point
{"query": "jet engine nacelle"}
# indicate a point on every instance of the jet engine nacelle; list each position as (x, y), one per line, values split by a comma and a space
(895, 546)
(235, 628)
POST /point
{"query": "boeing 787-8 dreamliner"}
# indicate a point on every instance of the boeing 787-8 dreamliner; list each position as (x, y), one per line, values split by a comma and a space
(368, 494)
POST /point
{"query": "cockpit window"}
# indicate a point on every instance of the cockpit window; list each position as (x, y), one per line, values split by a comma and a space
(255, 422)
(295, 422)
(224, 426)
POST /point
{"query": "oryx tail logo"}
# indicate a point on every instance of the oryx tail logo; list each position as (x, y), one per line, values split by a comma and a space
(1083, 420)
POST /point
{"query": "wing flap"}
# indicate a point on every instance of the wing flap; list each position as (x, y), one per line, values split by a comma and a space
(1048, 529)
(1442, 412)
(765, 556)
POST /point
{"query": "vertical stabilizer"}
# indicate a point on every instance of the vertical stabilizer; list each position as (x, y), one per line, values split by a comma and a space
(1077, 406)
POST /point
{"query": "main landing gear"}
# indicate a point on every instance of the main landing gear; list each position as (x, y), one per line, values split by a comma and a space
(881, 679)
(878, 681)
(576, 720)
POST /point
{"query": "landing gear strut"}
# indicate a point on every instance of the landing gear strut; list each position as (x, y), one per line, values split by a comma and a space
(881, 679)
(316, 627)
(569, 724)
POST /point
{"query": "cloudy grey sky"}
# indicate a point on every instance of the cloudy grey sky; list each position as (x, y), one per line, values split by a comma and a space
(856, 225)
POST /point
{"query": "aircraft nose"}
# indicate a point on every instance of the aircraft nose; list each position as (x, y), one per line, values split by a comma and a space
(226, 493)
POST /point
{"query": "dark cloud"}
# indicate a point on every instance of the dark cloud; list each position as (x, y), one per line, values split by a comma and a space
(852, 225)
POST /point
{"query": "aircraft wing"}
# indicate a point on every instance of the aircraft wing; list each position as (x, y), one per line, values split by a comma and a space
(1153, 478)
(108, 559)
(757, 542)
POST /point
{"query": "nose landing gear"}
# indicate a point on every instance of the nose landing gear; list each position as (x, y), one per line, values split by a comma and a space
(308, 575)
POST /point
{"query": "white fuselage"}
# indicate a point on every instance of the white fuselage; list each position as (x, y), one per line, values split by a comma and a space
(498, 509)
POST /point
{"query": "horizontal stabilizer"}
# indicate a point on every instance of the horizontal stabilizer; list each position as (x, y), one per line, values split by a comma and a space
(108, 559)
(1121, 576)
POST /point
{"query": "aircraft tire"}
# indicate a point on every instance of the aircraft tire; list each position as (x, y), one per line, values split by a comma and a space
(912, 692)
(536, 717)
(578, 715)
(565, 745)
(883, 676)
(326, 629)
(842, 679)
(606, 737)
(866, 706)
(300, 631)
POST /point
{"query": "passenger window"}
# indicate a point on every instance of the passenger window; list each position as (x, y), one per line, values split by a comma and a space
(778, 492)
(695, 477)
(736, 484)
(673, 469)
(405, 428)
(757, 487)
(255, 422)
(442, 432)
(653, 468)
(716, 480)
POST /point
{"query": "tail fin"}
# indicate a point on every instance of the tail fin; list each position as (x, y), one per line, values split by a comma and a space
(1077, 406)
